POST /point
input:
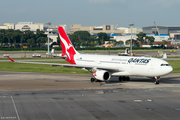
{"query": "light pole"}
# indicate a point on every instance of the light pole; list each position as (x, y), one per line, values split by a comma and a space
(131, 24)
(48, 23)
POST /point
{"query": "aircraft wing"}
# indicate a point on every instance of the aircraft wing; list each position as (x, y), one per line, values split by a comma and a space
(88, 67)
(110, 69)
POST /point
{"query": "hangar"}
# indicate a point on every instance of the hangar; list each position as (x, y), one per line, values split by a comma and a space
(170, 32)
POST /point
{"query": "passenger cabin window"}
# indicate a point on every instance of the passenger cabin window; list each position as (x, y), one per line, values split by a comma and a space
(165, 65)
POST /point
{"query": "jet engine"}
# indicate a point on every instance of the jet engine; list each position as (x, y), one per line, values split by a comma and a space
(102, 75)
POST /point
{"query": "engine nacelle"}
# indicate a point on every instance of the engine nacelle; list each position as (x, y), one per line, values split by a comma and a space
(102, 75)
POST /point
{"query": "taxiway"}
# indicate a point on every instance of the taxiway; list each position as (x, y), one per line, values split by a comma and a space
(39, 96)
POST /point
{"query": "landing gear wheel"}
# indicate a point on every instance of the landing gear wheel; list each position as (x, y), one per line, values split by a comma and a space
(120, 78)
(127, 78)
(157, 80)
(124, 78)
(92, 79)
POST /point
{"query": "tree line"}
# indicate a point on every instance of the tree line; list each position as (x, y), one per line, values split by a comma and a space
(141, 39)
(17, 39)
(84, 38)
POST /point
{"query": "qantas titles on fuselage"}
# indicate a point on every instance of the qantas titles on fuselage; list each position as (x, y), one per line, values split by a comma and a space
(141, 61)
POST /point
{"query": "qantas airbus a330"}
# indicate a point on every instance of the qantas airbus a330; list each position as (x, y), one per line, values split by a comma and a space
(103, 67)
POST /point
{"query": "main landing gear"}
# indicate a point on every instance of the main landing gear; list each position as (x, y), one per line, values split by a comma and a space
(95, 80)
(157, 80)
(124, 78)
(121, 78)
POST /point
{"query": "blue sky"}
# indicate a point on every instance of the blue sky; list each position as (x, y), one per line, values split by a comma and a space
(92, 12)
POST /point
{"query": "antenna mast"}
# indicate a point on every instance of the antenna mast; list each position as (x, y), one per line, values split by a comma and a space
(114, 29)
(157, 30)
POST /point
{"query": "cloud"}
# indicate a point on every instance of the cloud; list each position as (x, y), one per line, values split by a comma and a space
(105, 1)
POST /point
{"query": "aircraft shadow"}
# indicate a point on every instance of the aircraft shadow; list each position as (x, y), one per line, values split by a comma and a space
(166, 80)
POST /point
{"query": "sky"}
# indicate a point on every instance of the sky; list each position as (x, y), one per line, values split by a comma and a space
(142, 13)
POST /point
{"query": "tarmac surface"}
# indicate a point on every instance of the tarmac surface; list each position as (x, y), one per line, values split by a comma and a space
(42, 96)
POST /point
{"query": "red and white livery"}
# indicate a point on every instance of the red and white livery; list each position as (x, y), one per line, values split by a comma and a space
(104, 66)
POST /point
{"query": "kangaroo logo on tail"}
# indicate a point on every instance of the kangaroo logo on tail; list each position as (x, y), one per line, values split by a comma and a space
(67, 47)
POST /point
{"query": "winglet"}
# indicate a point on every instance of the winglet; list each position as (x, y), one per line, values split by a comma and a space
(11, 59)
(164, 56)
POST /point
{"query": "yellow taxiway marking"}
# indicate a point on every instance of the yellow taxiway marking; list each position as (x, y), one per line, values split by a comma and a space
(175, 90)
(24, 76)
(7, 75)
(42, 77)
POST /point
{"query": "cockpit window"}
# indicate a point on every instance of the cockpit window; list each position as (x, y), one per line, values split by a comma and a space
(165, 64)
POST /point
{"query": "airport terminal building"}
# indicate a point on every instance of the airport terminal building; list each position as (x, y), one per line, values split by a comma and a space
(23, 26)
(94, 30)
(29, 26)
(7, 26)
(119, 34)
(168, 33)
(108, 29)
(165, 32)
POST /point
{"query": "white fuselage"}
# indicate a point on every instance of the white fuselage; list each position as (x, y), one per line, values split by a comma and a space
(128, 66)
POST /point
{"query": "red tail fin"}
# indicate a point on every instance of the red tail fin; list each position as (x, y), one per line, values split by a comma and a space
(67, 47)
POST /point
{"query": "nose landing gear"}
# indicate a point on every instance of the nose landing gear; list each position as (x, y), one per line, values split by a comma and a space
(157, 80)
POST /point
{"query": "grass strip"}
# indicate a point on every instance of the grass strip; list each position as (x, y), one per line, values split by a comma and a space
(175, 64)
(24, 67)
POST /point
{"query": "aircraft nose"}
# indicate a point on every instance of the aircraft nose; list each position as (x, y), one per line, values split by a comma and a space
(169, 70)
